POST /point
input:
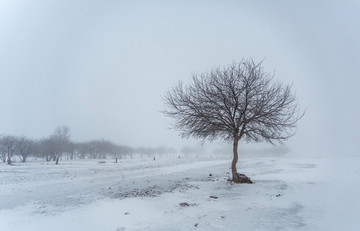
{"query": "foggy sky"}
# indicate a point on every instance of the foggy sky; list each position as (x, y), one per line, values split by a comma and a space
(101, 67)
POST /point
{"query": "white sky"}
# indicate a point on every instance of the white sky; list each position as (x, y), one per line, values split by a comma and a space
(101, 67)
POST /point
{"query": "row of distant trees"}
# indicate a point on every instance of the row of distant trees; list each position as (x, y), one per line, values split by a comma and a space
(59, 145)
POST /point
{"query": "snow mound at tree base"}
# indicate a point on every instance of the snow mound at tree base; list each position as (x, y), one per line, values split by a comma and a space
(243, 179)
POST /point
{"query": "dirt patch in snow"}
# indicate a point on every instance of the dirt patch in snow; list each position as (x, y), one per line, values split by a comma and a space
(151, 191)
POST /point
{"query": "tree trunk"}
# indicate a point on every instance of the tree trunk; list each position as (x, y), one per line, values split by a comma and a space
(235, 176)
(57, 160)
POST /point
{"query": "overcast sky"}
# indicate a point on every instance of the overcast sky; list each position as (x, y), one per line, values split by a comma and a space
(102, 67)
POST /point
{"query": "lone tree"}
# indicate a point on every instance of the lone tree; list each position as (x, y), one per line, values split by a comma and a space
(239, 102)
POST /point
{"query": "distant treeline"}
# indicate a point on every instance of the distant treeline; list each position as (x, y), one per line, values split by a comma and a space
(59, 145)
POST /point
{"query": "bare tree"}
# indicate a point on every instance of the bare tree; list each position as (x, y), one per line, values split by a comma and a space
(83, 149)
(7, 148)
(24, 147)
(60, 140)
(124, 151)
(45, 149)
(70, 150)
(239, 102)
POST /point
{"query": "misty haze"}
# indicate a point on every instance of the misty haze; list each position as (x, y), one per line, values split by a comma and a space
(201, 115)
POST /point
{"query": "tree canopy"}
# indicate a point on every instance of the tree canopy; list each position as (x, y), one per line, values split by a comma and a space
(240, 101)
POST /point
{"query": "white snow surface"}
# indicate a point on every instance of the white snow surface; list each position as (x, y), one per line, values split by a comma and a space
(289, 193)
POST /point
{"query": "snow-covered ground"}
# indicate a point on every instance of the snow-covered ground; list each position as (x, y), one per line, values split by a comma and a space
(289, 193)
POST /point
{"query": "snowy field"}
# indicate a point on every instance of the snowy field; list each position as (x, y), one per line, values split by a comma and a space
(181, 194)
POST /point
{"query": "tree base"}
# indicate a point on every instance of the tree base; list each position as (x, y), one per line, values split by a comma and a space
(242, 179)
